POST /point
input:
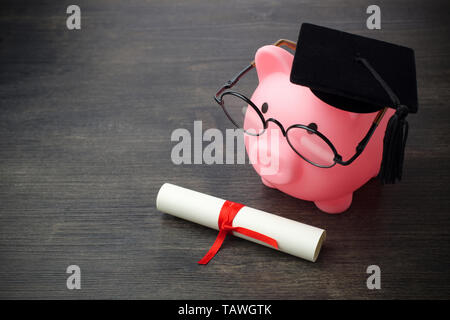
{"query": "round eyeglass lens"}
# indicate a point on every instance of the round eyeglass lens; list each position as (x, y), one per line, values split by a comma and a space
(310, 147)
(243, 115)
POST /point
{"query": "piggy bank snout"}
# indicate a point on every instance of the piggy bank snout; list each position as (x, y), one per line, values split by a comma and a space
(272, 158)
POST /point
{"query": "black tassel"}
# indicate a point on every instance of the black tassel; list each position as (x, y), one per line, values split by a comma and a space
(396, 133)
(394, 146)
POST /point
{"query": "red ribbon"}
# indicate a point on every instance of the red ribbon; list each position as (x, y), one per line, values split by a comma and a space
(227, 213)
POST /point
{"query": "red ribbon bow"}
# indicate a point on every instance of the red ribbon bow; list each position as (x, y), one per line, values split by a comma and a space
(227, 213)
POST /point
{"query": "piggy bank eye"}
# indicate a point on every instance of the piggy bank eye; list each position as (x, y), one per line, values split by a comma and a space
(265, 107)
(313, 126)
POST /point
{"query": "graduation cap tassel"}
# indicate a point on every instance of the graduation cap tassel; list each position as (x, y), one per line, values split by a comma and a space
(394, 146)
(396, 133)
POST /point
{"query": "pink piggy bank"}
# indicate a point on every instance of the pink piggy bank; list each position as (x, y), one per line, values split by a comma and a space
(284, 104)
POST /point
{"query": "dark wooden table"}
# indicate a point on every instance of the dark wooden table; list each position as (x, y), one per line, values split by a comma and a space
(85, 124)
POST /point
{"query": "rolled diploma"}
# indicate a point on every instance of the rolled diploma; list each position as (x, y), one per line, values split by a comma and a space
(293, 237)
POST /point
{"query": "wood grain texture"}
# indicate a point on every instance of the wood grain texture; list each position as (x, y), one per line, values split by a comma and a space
(85, 124)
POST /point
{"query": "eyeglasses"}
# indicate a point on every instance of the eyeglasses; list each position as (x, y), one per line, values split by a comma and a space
(305, 140)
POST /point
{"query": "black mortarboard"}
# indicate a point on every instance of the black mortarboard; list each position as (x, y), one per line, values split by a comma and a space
(362, 75)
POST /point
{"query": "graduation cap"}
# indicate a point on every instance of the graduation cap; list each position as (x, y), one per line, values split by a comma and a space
(363, 75)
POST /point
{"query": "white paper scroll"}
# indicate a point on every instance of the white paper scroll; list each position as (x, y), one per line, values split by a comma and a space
(293, 237)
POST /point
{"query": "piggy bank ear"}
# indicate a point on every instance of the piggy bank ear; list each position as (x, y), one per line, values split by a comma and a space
(271, 59)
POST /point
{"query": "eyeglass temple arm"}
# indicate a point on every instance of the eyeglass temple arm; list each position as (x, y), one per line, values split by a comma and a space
(230, 83)
(363, 143)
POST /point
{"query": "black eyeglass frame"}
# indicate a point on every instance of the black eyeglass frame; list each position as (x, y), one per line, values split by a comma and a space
(225, 90)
